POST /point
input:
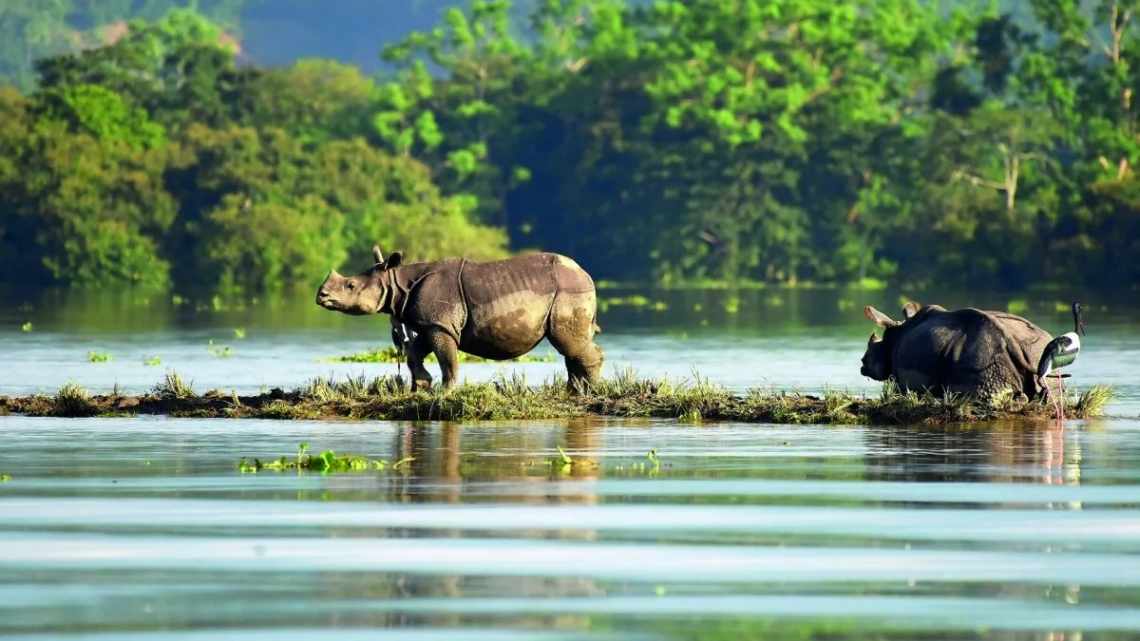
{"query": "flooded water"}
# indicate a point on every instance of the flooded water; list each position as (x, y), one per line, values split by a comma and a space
(143, 528)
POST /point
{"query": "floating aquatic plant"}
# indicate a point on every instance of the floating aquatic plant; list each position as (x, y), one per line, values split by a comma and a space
(98, 357)
(391, 355)
(327, 462)
(636, 301)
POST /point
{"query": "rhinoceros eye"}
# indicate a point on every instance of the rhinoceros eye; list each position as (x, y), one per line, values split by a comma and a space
(350, 285)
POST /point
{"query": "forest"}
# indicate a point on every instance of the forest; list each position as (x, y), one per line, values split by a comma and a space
(672, 143)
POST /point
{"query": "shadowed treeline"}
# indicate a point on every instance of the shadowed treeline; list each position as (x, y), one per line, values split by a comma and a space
(666, 142)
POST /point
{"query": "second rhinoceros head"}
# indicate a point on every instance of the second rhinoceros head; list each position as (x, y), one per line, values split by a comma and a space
(364, 293)
(877, 359)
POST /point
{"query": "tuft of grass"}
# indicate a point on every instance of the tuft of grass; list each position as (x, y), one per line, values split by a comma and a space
(281, 409)
(98, 357)
(172, 387)
(327, 390)
(1092, 401)
(73, 401)
(5, 477)
(391, 355)
(26, 327)
(151, 361)
(239, 333)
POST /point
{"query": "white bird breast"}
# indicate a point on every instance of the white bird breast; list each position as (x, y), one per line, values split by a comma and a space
(1069, 348)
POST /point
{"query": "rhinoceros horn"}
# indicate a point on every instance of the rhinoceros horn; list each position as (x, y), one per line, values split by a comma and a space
(377, 254)
(879, 318)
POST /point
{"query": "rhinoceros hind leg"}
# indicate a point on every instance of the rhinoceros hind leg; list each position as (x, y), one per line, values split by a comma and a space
(447, 352)
(584, 371)
(571, 331)
(583, 361)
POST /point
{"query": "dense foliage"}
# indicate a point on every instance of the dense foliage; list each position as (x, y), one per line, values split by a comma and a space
(157, 161)
(766, 140)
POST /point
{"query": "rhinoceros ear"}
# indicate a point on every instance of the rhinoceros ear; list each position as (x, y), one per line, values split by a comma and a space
(910, 309)
(874, 339)
(878, 318)
(377, 255)
(394, 260)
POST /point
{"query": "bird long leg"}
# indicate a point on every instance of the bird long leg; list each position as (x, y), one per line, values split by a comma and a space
(1060, 400)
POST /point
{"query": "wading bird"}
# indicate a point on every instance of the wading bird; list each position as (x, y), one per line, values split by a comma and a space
(1061, 352)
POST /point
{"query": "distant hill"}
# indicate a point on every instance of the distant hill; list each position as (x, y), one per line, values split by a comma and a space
(270, 32)
(277, 32)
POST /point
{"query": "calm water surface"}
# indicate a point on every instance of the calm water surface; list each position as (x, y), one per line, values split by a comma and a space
(143, 528)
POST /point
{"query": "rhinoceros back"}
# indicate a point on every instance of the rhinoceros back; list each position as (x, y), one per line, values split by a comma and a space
(509, 301)
(970, 351)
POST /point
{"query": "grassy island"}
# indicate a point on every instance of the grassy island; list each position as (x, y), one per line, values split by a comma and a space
(510, 398)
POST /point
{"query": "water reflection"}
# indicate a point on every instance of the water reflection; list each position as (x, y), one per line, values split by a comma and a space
(746, 531)
(1002, 453)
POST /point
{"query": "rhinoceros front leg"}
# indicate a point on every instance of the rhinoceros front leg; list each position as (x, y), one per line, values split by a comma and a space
(446, 352)
(418, 350)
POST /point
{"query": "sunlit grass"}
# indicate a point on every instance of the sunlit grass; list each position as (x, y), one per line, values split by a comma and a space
(1093, 401)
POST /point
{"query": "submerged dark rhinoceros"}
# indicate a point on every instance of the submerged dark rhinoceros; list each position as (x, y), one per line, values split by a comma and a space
(966, 351)
(496, 310)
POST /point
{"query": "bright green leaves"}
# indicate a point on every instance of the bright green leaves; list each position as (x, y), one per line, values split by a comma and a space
(453, 122)
(428, 130)
(466, 160)
(403, 119)
(740, 68)
(104, 114)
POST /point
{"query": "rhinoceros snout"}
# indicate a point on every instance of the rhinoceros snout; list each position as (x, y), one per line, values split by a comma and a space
(323, 297)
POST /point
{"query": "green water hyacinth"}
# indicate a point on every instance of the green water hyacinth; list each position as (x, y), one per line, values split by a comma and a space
(327, 462)
(391, 355)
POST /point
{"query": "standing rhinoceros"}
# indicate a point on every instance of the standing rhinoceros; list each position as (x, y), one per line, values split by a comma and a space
(497, 310)
(966, 351)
